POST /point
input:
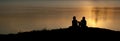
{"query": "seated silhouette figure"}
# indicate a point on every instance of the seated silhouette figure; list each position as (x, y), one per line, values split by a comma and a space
(83, 23)
(74, 22)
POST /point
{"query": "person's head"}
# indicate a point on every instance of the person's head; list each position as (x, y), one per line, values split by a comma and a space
(74, 17)
(83, 18)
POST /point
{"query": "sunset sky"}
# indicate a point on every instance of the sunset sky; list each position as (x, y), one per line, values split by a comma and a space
(27, 15)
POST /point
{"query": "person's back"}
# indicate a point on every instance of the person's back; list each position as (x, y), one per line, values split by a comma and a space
(74, 22)
(83, 22)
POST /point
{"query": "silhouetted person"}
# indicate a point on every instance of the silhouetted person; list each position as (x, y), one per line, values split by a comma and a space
(74, 22)
(83, 23)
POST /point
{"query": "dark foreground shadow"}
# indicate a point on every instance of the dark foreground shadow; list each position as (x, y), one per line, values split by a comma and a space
(57, 33)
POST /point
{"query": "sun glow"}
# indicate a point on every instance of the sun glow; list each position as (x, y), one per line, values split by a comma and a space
(91, 23)
(89, 14)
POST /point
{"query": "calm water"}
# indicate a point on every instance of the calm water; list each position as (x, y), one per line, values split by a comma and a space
(27, 16)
